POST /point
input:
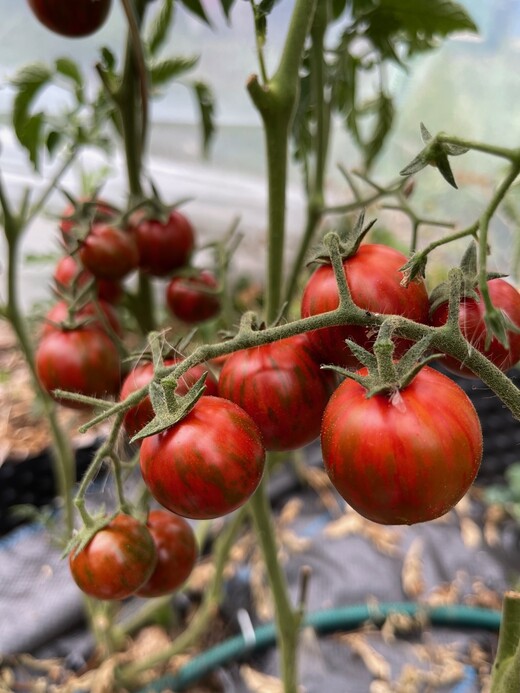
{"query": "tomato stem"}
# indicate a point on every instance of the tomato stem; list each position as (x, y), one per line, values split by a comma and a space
(506, 668)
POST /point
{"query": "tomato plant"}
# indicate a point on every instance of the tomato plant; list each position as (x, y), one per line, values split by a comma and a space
(117, 561)
(83, 360)
(77, 19)
(406, 456)
(176, 549)
(282, 388)
(472, 313)
(87, 314)
(208, 464)
(193, 299)
(164, 246)
(375, 284)
(69, 272)
(109, 252)
(137, 417)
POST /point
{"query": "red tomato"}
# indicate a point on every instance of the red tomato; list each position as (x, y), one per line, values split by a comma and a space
(83, 360)
(404, 458)
(192, 299)
(59, 314)
(375, 284)
(137, 417)
(118, 560)
(206, 465)
(67, 270)
(87, 211)
(176, 550)
(71, 19)
(164, 246)
(109, 252)
(282, 388)
(471, 321)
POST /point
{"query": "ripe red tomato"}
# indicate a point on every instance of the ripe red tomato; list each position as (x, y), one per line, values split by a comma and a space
(176, 550)
(282, 388)
(137, 417)
(59, 313)
(206, 465)
(72, 19)
(67, 270)
(109, 252)
(83, 360)
(404, 458)
(192, 299)
(471, 321)
(118, 560)
(164, 246)
(374, 281)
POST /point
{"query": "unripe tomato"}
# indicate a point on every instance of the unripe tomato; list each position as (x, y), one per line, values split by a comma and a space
(193, 299)
(59, 313)
(137, 417)
(164, 246)
(206, 465)
(83, 360)
(374, 281)
(282, 388)
(471, 322)
(402, 458)
(117, 561)
(176, 550)
(109, 252)
(67, 270)
(71, 19)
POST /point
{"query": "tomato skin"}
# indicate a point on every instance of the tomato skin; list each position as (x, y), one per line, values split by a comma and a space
(137, 417)
(109, 252)
(282, 388)
(471, 321)
(176, 550)
(374, 281)
(208, 464)
(164, 247)
(118, 560)
(83, 360)
(71, 19)
(405, 459)
(189, 300)
(59, 313)
(67, 270)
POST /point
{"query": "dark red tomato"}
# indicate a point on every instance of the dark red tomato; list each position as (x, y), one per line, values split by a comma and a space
(72, 19)
(109, 252)
(59, 313)
(282, 388)
(118, 560)
(208, 464)
(84, 360)
(375, 284)
(471, 321)
(404, 458)
(164, 246)
(176, 550)
(137, 417)
(193, 299)
(69, 270)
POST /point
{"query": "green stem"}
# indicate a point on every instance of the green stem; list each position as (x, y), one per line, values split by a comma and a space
(506, 668)
(501, 152)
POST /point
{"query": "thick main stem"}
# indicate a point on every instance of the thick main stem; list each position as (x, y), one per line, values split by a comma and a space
(506, 668)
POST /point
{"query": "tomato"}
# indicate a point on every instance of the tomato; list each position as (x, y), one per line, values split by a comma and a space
(176, 550)
(109, 252)
(164, 246)
(374, 281)
(206, 465)
(404, 458)
(60, 312)
(86, 211)
(137, 417)
(83, 360)
(71, 19)
(193, 299)
(282, 388)
(118, 560)
(69, 270)
(471, 321)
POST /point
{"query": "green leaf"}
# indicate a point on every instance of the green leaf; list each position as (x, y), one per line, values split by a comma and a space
(68, 68)
(206, 104)
(344, 83)
(385, 119)
(159, 29)
(108, 59)
(168, 69)
(265, 7)
(53, 141)
(28, 82)
(197, 8)
(226, 6)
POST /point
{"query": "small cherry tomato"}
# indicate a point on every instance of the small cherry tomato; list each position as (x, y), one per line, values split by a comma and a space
(164, 246)
(193, 299)
(109, 252)
(72, 19)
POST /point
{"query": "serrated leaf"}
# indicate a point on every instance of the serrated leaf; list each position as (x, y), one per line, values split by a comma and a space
(385, 119)
(30, 137)
(68, 68)
(196, 7)
(344, 80)
(28, 82)
(206, 104)
(166, 70)
(159, 28)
